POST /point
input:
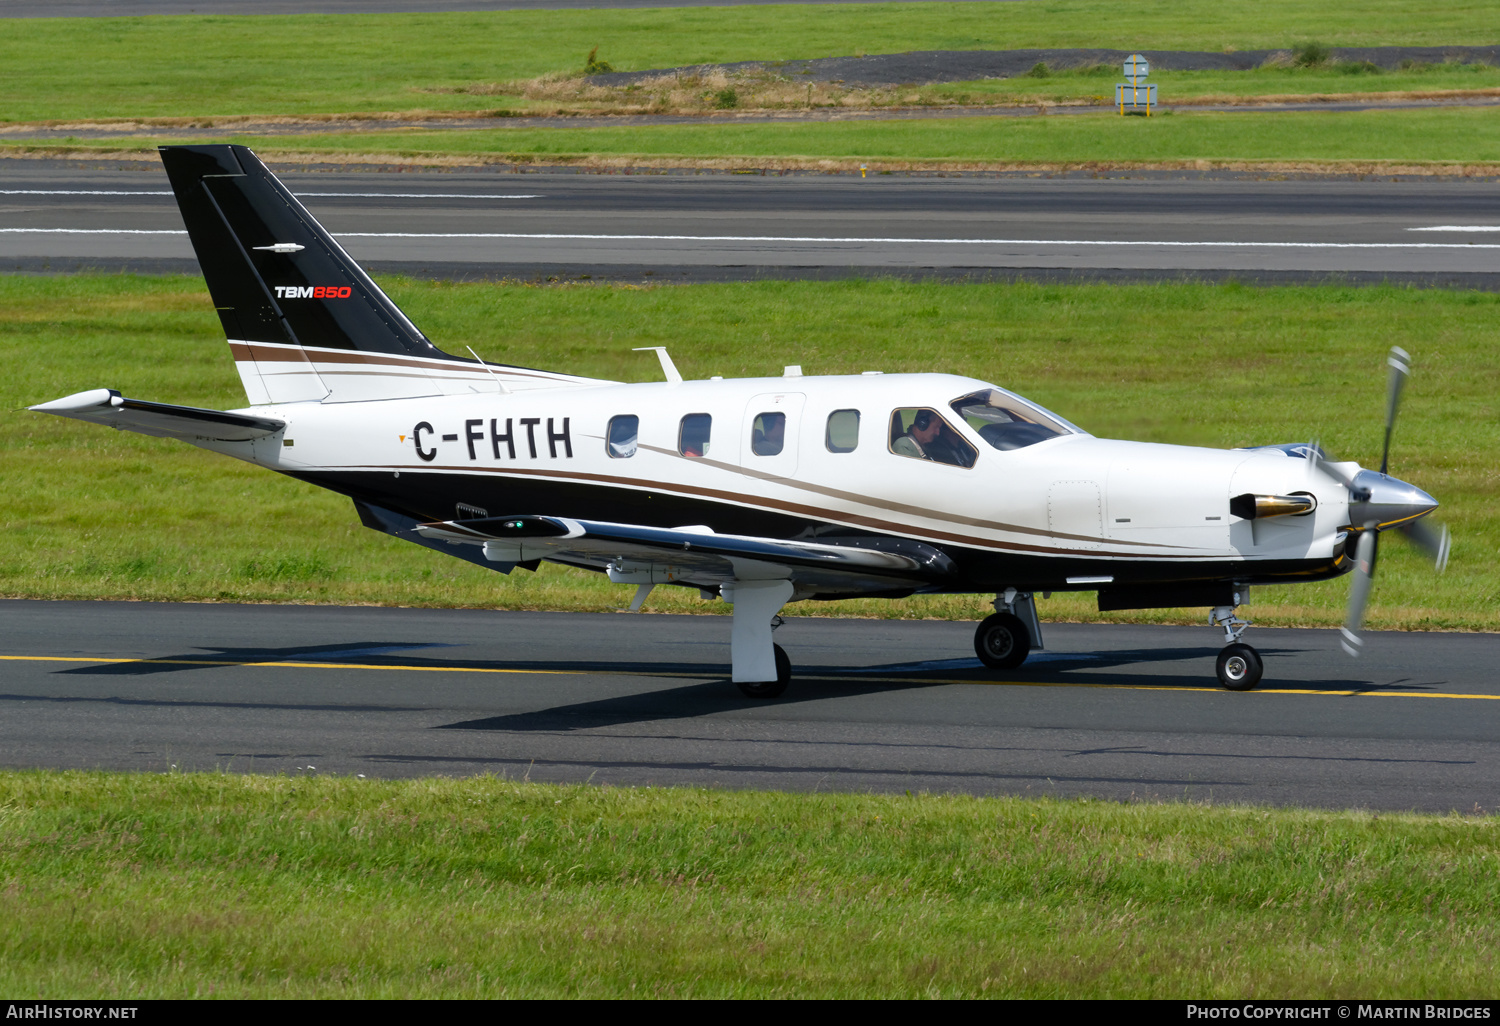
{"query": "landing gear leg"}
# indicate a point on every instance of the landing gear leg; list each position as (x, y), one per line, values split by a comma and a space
(761, 668)
(770, 688)
(1004, 640)
(1239, 666)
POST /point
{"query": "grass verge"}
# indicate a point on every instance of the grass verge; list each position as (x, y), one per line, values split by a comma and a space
(203, 65)
(89, 513)
(170, 886)
(766, 90)
(1455, 140)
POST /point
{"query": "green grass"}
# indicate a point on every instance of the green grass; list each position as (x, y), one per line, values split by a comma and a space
(170, 886)
(199, 65)
(1430, 138)
(91, 513)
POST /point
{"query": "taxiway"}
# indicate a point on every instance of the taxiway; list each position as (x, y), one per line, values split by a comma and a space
(1110, 711)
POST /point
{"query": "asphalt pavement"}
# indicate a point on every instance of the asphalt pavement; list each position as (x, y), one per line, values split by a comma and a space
(492, 224)
(1116, 712)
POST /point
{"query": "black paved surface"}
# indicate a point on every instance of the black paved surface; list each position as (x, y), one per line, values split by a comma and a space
(455, 223)
(1108, 711)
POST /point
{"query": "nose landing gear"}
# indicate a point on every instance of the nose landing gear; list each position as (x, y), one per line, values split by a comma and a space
(1006, 638)
(1239, 666)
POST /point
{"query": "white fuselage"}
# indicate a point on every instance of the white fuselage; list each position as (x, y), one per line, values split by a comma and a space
(1071, 498)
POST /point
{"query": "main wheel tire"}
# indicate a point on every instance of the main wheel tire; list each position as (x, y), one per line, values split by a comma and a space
(1239, 667)
(1002, 641)
(770, 688)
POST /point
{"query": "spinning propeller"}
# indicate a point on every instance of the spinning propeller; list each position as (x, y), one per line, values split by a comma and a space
(1378, 502)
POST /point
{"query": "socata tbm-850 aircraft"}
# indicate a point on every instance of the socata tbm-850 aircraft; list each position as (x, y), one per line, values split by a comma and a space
(760, 491)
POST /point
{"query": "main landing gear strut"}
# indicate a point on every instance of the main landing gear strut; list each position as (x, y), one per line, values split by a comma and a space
(1238, 666)
(761, 667)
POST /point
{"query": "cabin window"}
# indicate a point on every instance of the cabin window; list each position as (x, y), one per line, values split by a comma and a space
(843, 431)
(923, 434)
(692, 435)
(1007, 421)
(768, 434)
(620, 441)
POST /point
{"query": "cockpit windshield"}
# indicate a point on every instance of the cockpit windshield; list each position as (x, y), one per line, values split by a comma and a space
(1007, 421)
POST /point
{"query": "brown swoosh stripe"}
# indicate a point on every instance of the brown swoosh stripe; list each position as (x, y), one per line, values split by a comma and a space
(262, 353)
(895, 507)
(813, 512)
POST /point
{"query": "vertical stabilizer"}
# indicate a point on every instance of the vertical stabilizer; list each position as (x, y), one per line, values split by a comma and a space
(304, 321)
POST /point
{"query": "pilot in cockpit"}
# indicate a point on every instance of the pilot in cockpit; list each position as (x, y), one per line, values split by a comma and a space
(930, 439)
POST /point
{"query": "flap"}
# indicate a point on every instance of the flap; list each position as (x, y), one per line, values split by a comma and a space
(856, 563)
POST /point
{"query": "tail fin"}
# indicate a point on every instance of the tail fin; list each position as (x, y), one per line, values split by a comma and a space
(303, 320)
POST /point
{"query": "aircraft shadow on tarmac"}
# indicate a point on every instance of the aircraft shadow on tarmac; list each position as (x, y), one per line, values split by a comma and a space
(717, 695)
(212, 657)
(188, 703)
(707, 698)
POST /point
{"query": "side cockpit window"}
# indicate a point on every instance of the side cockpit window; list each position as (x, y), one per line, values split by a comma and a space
(1006, 421)
(620, 443)
(692, 435)
(843, 431)
(923, 434)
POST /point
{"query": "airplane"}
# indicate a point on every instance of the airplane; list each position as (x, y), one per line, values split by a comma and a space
(756, 491)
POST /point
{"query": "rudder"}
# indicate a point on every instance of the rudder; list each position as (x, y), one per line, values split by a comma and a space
(304, 321)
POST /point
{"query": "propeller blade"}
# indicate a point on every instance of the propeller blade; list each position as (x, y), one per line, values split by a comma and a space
(1320, 461)
(1359, 591)
(1434, 540)
(1400, 364)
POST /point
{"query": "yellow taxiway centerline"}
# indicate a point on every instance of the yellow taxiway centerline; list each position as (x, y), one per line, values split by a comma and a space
(699, 676)
(299, 666)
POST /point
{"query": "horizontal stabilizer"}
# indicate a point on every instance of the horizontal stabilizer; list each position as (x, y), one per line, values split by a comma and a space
(109, 407)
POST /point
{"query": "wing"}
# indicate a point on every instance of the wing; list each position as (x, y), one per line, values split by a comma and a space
(633, 554)
(106, 406)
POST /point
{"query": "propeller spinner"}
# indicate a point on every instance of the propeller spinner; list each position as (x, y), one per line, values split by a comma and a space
(1379, 502)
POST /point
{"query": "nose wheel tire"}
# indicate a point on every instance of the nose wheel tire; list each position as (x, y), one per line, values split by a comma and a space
(1002, 641)
(1239, 667)
(770, 688)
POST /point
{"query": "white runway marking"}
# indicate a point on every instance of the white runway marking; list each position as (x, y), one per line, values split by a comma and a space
(915, 241)
(427, 195)
(1459, 228)
(79, 192)
(93, 231)
(360, 195)
(836, 240)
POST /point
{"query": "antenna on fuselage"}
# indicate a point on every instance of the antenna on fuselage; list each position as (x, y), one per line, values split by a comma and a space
(498, 383)
(667, 366)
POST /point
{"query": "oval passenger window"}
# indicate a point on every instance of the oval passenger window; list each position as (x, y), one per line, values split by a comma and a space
(768, 434)
(621, 436)
(692, 436)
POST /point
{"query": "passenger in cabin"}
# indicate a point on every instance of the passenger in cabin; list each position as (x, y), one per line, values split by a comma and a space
(929, 438)
(768, 434)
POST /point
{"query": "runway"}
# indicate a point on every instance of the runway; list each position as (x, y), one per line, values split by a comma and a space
(488, 224)
(1109, 711)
